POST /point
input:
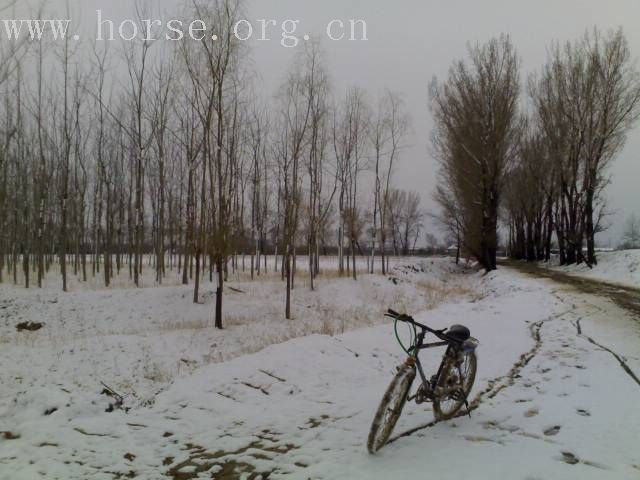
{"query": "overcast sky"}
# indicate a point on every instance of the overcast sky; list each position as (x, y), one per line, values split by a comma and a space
(410, 41)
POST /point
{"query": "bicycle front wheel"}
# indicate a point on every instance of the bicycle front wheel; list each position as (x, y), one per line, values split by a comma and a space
(390, 408)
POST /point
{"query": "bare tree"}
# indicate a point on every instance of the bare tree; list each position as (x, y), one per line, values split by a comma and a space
(12, 134)
(213, 68)
(297, 99)
(100, 60)
(410, 221)
(162, 105)
(349, 133)
(139, 129)
(475, 138)
(318, 207)
(529, 198)
(404, 219)
(450, 216)
(13, 51)
(257, 140)
(586, 100)
(386, 132)
(65, 147)
(613, 105)
(631, 232)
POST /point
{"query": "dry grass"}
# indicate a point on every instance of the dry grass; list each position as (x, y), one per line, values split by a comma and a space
(173, 325)
(438, 292)
(123, 280)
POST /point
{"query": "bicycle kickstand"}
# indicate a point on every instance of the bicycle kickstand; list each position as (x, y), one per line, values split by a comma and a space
(466, 404)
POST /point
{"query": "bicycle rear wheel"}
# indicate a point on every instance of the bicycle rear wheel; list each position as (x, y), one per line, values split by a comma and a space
(390, 408)
(456, 380)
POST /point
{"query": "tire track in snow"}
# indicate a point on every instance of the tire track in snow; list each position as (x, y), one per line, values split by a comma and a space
(621, 360)
(617, 356)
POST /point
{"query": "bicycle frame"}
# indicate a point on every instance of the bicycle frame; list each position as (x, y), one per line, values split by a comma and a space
(420, 344)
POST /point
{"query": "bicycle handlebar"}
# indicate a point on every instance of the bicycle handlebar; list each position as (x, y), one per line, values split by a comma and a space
(403, 317)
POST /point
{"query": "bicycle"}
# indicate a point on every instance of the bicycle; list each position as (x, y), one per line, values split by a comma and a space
(448, 389)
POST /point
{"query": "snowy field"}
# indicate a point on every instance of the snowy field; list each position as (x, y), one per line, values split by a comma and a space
(621, 267)
(137, 340)
(270, 398)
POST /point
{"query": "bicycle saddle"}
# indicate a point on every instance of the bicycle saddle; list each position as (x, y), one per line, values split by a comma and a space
(459, 332)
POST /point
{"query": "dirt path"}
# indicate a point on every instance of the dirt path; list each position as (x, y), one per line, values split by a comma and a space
(593, 336)
(626, 297)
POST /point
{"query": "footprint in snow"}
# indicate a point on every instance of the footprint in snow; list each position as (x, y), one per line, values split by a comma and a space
(480, 438)
(570, 458)
(552, 430)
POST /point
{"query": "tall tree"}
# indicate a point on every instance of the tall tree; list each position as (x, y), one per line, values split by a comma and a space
(586, 100)
(475, 138)
(386, 132)
(297, 98)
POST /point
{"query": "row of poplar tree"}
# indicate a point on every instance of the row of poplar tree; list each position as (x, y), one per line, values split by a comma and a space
(533, 159)
(170, 153)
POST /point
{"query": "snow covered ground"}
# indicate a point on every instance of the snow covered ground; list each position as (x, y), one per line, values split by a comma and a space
(621, 267)
(551, 402)
(138, 340)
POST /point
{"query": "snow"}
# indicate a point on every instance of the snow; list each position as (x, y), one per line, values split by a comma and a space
(138, 340)
(620, 267)
(302, 408)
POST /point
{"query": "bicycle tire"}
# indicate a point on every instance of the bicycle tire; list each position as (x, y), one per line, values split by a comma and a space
(390, 408)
